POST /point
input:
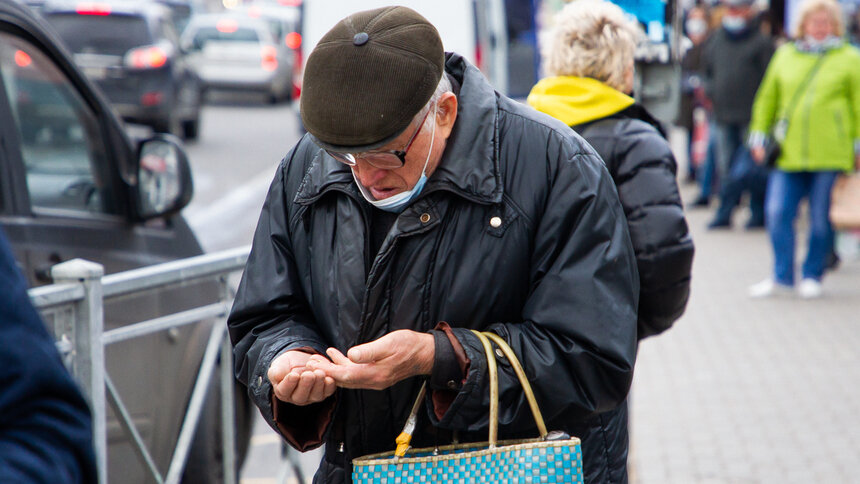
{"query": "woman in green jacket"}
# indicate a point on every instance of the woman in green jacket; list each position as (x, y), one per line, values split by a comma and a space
(810, 99)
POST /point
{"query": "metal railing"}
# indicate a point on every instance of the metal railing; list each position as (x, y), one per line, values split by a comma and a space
(74, 306)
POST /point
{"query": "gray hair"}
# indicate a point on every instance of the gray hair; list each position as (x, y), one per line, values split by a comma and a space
(591, 38)
(441, 88)
(810, 7)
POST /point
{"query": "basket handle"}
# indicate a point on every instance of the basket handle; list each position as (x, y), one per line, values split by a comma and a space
(405, 438)
(492, 368)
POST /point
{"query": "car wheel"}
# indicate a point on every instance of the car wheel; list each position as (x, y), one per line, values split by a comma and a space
(171, 125)
(205, 458)
(191, 129)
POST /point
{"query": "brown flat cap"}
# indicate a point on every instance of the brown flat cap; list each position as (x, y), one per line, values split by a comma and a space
(369, 76)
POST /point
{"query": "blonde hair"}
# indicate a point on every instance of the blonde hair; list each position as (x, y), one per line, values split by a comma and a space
(591, 38)
(810, 7)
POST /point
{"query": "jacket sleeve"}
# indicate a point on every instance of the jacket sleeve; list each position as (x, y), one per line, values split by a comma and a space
(854, 95)
(47, 429)
(270, 315)
(577, 336)
(646, 180)
(767, 100)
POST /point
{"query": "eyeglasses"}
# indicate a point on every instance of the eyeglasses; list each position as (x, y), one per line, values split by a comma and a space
(384, 159)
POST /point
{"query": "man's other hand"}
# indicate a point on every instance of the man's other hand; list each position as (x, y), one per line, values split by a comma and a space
(379, 364)
(293, 382)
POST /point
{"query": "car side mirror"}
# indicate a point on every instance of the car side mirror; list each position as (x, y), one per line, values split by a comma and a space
(164, 184)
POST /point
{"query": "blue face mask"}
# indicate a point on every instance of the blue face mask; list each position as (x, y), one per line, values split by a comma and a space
(734, 24)
(397, 203)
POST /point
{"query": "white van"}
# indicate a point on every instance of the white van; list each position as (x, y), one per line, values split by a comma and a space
(471, 28)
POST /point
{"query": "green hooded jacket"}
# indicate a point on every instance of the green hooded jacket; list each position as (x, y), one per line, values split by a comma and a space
(825, 120)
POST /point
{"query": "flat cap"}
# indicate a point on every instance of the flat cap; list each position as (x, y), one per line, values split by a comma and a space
(369, 76)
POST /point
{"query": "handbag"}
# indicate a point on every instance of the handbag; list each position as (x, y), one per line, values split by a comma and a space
(554, 457)
(845, 202)
(773, 142)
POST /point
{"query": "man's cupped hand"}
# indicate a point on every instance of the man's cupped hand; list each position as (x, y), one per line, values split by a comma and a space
(379, 364)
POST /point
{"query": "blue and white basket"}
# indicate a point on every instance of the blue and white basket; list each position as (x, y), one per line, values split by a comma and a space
(554, 458)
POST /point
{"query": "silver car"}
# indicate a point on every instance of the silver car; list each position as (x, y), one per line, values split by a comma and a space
(236, 52)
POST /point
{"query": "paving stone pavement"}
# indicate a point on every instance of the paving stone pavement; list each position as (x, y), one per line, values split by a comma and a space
(750, 391)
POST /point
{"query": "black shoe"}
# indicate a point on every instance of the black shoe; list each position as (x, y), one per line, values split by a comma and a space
(831, 263)
(718, 223)
(701, 202)
(754, 224)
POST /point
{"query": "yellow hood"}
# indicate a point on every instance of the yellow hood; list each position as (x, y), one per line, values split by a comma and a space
(577, 100)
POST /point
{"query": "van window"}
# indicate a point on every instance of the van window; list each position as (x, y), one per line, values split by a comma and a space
(93, 34)
(61, 145)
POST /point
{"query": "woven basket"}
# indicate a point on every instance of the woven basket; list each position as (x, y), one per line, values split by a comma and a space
(552, 458)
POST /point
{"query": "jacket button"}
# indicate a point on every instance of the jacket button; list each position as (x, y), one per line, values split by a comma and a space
(425, 217)
(496, 222)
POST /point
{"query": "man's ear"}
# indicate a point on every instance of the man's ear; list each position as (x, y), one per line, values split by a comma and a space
(446, 114)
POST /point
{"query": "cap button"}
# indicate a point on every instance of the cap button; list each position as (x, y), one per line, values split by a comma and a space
(360, 38)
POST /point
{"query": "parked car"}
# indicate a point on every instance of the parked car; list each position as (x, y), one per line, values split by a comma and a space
(72, 185)
(234, 51)
(181, 12)
(131, 51)
(283, 22)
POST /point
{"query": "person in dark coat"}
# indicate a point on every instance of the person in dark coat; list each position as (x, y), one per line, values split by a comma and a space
(589, 55)
(735, 59)
(45, 425)
(420, 205)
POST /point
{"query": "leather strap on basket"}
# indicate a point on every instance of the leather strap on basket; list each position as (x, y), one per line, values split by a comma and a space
(492, 369)
(405, 438)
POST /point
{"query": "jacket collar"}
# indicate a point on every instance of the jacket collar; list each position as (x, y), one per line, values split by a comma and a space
(469, 165)
(576, 100)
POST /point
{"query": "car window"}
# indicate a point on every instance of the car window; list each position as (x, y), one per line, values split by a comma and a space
(61, 145)
(223, 34)
(101, 34)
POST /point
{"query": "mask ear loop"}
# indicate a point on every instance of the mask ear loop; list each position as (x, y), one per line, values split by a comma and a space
(432, 138)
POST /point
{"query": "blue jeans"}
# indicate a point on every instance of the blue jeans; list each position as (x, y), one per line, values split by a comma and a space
(785, 190)
(744, 176)
(706, 172)
(729, 137)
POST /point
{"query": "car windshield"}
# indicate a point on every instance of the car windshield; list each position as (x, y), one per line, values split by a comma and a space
(240, 34)
(95, 34)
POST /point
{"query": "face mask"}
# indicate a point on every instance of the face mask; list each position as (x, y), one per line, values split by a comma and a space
(396, 203)
(696, 26)
(815, 45)
(734, 24)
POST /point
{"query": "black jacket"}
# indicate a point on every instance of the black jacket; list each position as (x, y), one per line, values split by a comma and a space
(557, 279)
(635, 150)
(734, 66)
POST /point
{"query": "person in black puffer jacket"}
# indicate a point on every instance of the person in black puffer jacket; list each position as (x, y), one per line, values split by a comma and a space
(590, 56)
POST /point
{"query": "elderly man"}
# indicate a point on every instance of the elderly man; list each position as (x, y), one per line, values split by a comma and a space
(420, 205)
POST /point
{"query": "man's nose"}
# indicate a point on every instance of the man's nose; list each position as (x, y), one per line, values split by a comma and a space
(367, 174)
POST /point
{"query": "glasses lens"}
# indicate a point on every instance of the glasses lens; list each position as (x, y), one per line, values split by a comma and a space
(383, 161)
(345, 158)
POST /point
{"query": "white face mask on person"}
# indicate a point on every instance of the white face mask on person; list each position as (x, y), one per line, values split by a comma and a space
(397, 203)
(734, 24)
(696, 26)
